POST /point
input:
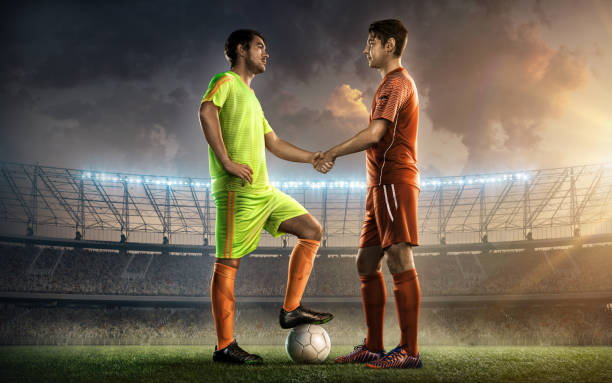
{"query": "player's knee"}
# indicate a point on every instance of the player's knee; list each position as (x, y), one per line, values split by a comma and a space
(399, 259)
(314, 231)
(367, 266)
(362, 268)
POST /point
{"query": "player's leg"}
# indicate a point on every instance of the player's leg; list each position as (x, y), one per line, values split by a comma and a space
(289, 216)
(373, 297)
(223, 301)
(373, 290)
(373, 294)
(399, 233)
(222, 282)
(223, 305)
(309, 231)
(407, 301)
(407, 293)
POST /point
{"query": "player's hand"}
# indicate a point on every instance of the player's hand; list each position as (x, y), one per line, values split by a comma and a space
(315, 158)
(244, 172)
(325, 162)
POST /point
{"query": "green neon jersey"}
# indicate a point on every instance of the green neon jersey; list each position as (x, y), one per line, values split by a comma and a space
(243, 126)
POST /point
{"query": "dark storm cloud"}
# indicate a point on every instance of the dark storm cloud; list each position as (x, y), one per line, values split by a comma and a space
(61, 45)
(136, 137)
(94, 74)
(495, 82)
(67, 44)
(120, 83)
(485, 74)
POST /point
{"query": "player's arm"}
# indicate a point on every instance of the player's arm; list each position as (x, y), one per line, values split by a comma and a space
(209, 119)
(288, 152)
(359, 142)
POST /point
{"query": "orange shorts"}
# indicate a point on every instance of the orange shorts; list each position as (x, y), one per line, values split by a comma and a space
(390, 216)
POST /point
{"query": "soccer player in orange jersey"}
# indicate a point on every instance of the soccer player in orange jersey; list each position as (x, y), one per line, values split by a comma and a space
(390, 224)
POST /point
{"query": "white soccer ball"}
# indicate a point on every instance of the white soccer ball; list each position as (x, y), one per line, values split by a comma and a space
(308, 343)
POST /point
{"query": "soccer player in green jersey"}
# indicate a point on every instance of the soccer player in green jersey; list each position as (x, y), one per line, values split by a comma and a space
(238, 134)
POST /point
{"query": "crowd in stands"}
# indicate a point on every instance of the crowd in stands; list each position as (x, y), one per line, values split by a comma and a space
(37, 269)
(258, 324)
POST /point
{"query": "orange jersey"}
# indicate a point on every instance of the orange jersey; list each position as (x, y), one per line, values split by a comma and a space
(392, 160)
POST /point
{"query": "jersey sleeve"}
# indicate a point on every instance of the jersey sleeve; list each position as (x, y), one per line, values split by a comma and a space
(267, 128)
(390, 99)
(218, 89)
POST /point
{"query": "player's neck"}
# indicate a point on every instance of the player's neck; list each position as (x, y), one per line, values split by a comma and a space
(245, 74)
(390, 66)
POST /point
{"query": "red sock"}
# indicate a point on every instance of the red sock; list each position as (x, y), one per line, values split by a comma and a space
(407, 301)
(222, 296)
(374, 296)
(300, 265)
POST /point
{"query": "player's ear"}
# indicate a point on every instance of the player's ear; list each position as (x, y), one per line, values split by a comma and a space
(390, 45)
(240, 50)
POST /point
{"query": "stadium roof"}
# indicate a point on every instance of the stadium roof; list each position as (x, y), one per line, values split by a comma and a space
(548, 203)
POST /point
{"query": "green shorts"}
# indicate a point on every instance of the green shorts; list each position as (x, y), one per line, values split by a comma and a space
(241, 216)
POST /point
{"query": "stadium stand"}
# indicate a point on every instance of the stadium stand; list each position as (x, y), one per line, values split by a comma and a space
(57, 270)
(88, 257)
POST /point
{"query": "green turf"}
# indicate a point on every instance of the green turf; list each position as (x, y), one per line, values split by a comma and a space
(194, 364)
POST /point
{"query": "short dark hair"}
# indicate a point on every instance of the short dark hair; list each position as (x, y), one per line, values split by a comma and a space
(385, 29)
(239, 37)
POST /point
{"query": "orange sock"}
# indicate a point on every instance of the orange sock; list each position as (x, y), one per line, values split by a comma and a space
(222, 295)
(407, 301)
(300, 265)
(374, 296)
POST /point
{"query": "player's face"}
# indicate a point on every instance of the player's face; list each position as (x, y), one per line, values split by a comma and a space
(257, 56)
(374, 51)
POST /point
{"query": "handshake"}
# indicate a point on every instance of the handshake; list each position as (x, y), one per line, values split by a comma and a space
(322, 161)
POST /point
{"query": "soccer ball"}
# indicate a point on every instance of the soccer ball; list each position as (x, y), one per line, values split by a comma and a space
(308, 343)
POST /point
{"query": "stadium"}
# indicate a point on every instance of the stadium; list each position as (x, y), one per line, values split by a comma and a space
(407, 191)
(106, 259)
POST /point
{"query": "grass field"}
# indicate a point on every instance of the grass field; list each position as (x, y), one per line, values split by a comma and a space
(194, 364)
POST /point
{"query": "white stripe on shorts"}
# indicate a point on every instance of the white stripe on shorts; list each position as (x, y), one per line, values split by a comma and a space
(387, 202)
(394, 199)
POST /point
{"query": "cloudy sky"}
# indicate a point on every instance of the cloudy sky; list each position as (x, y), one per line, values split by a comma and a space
(504, 85)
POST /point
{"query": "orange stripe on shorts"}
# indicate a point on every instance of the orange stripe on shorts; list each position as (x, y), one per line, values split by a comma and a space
(227, 218)
(232, 222)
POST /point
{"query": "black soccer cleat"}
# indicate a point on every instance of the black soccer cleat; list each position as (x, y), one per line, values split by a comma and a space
(301, 315)
(234, 354)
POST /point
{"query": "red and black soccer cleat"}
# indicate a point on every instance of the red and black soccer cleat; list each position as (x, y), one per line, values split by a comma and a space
(360, 354)
(397, 358)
